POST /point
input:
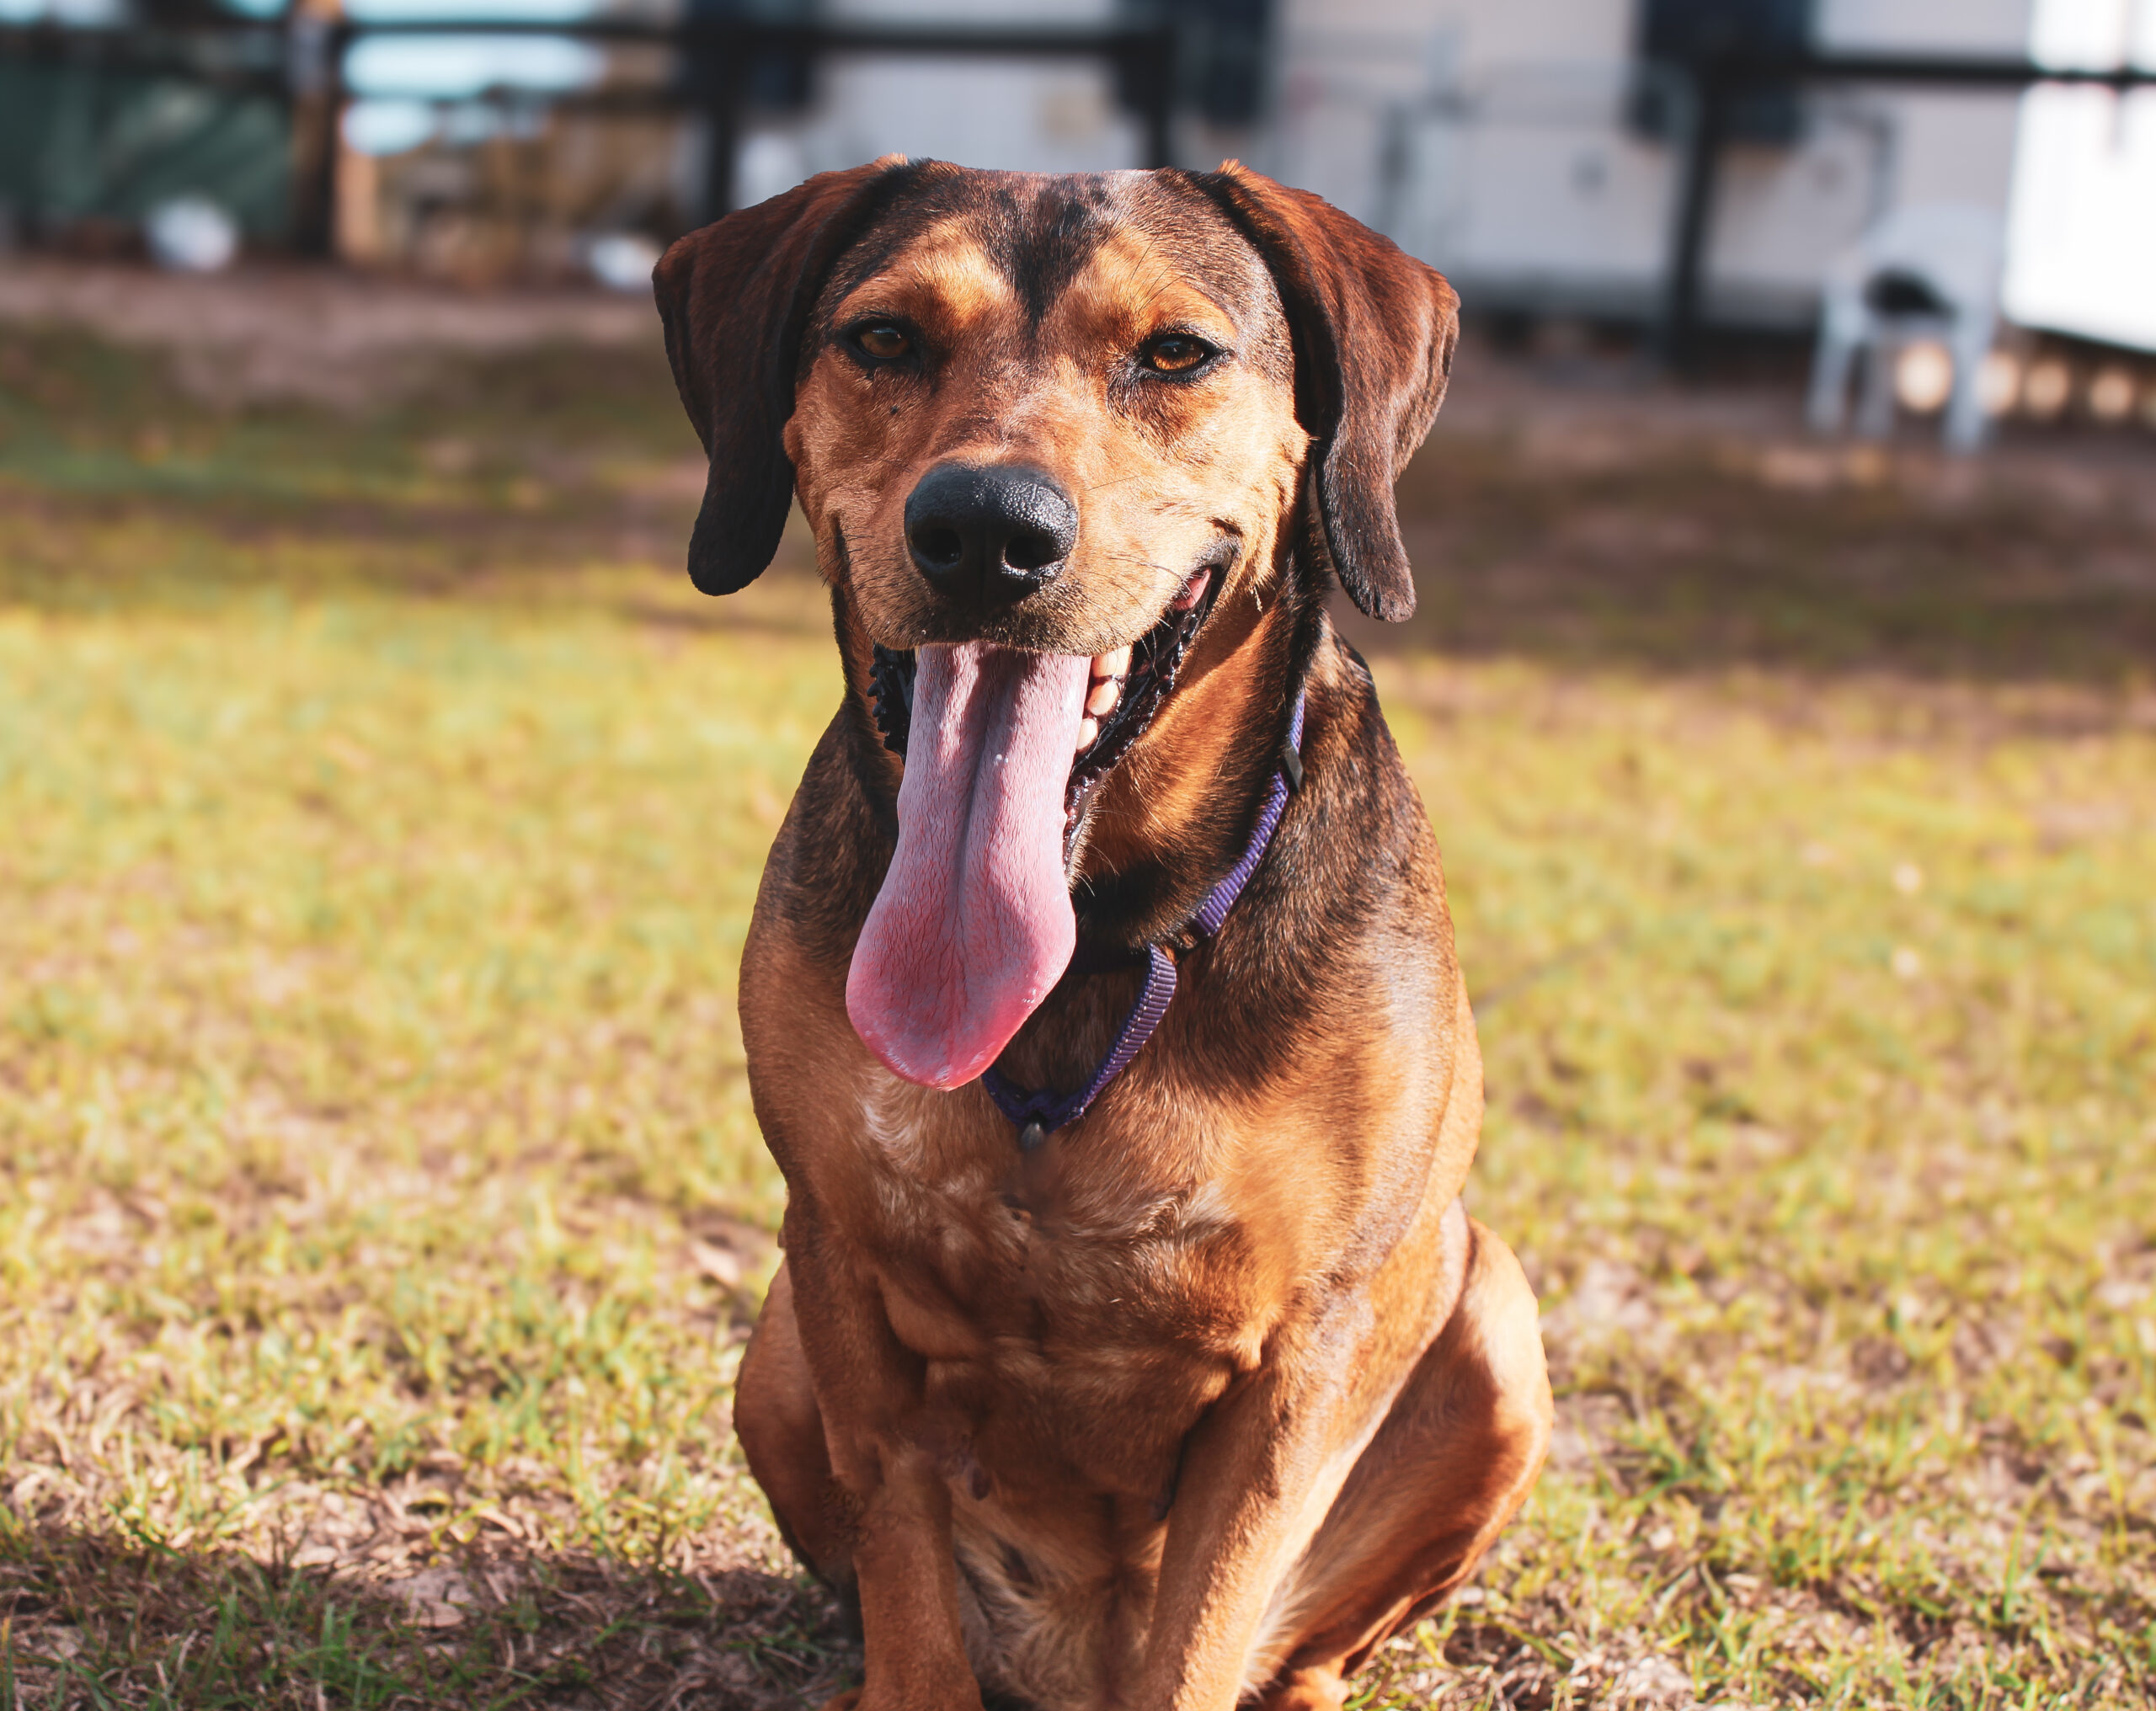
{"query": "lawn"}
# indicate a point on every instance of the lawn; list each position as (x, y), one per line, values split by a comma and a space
(381, 1213)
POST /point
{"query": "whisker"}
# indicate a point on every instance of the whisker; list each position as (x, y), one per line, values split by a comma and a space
(1149, 564)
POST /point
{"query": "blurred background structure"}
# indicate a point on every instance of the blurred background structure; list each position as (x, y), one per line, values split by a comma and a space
(1671, 169)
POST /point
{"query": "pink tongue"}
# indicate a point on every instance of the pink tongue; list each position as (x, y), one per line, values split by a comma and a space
(974, 925)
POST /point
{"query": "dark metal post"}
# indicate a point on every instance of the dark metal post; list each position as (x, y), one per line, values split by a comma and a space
(1160, 87)
(722, 56)
(314, 72)
(1679, 333)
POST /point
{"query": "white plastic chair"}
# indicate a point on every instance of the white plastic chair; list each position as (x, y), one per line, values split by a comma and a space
(1929, 271)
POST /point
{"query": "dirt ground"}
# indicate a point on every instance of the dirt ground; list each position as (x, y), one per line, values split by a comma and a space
(267, 334)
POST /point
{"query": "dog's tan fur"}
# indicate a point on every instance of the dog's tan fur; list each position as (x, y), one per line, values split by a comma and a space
(1209, 1396)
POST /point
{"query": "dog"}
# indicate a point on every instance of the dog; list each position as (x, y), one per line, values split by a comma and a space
(1131, 1346)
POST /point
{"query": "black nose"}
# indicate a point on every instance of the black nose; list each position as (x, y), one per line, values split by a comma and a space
(990, 533)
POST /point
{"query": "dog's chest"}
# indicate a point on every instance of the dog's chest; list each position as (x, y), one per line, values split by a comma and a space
(1080, 1283)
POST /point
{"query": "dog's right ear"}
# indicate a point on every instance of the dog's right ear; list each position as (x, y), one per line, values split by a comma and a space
(735, 298)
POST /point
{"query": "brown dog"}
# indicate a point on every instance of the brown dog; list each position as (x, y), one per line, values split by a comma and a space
(1203, 1393)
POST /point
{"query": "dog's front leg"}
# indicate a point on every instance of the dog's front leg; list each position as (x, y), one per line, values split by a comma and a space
(907, 1576)
(1258, 1474)
(895, 1519)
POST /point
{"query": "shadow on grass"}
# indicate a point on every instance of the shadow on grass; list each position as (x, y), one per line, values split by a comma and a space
(90, 1621)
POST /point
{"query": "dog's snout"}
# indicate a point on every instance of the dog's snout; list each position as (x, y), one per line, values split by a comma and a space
(989, 533)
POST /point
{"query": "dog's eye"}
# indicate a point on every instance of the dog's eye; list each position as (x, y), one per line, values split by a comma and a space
(1174, 352)
(883, 341)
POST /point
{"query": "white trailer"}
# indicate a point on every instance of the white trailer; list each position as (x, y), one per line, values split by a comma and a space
(1500, 140)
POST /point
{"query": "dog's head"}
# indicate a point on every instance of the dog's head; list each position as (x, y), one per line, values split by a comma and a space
(1044, 429)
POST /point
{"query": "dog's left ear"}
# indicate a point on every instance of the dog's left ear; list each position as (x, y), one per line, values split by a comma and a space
(735, 298)
(1374, 331)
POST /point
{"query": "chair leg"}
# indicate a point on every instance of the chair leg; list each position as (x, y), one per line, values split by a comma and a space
(1827, 407)
(1968, 426)
(1874, 416)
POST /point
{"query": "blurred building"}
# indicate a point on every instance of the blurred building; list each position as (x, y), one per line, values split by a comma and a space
(2081, 256)
(109, 109)
(467, 152)
(1533, 147)
(1536, 149)
(797, 109)
(1534, 144)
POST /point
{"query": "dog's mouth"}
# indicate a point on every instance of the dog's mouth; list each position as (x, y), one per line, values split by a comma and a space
(1125, 690)
(1005, 750)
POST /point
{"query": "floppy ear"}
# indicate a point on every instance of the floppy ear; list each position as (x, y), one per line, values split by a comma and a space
(735, 298)
(1374, 331)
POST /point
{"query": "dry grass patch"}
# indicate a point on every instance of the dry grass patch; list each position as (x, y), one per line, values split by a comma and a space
(382, 1213)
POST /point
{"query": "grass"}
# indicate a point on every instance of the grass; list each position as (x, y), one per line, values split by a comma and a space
(381, 1213)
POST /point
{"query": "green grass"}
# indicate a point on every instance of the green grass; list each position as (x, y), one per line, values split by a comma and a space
(381, 1213)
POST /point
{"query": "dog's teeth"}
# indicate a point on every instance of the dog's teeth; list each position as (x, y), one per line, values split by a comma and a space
(1113, 664)
(1106, 688)
(1089, 731)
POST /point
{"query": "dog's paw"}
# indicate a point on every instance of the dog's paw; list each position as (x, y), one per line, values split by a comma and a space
(847, 1701)
(1306, 1690)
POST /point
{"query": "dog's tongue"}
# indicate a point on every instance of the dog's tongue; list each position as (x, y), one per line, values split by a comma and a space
(974, 925)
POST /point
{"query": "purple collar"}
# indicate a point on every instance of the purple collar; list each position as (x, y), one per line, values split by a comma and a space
(1038, 1114)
